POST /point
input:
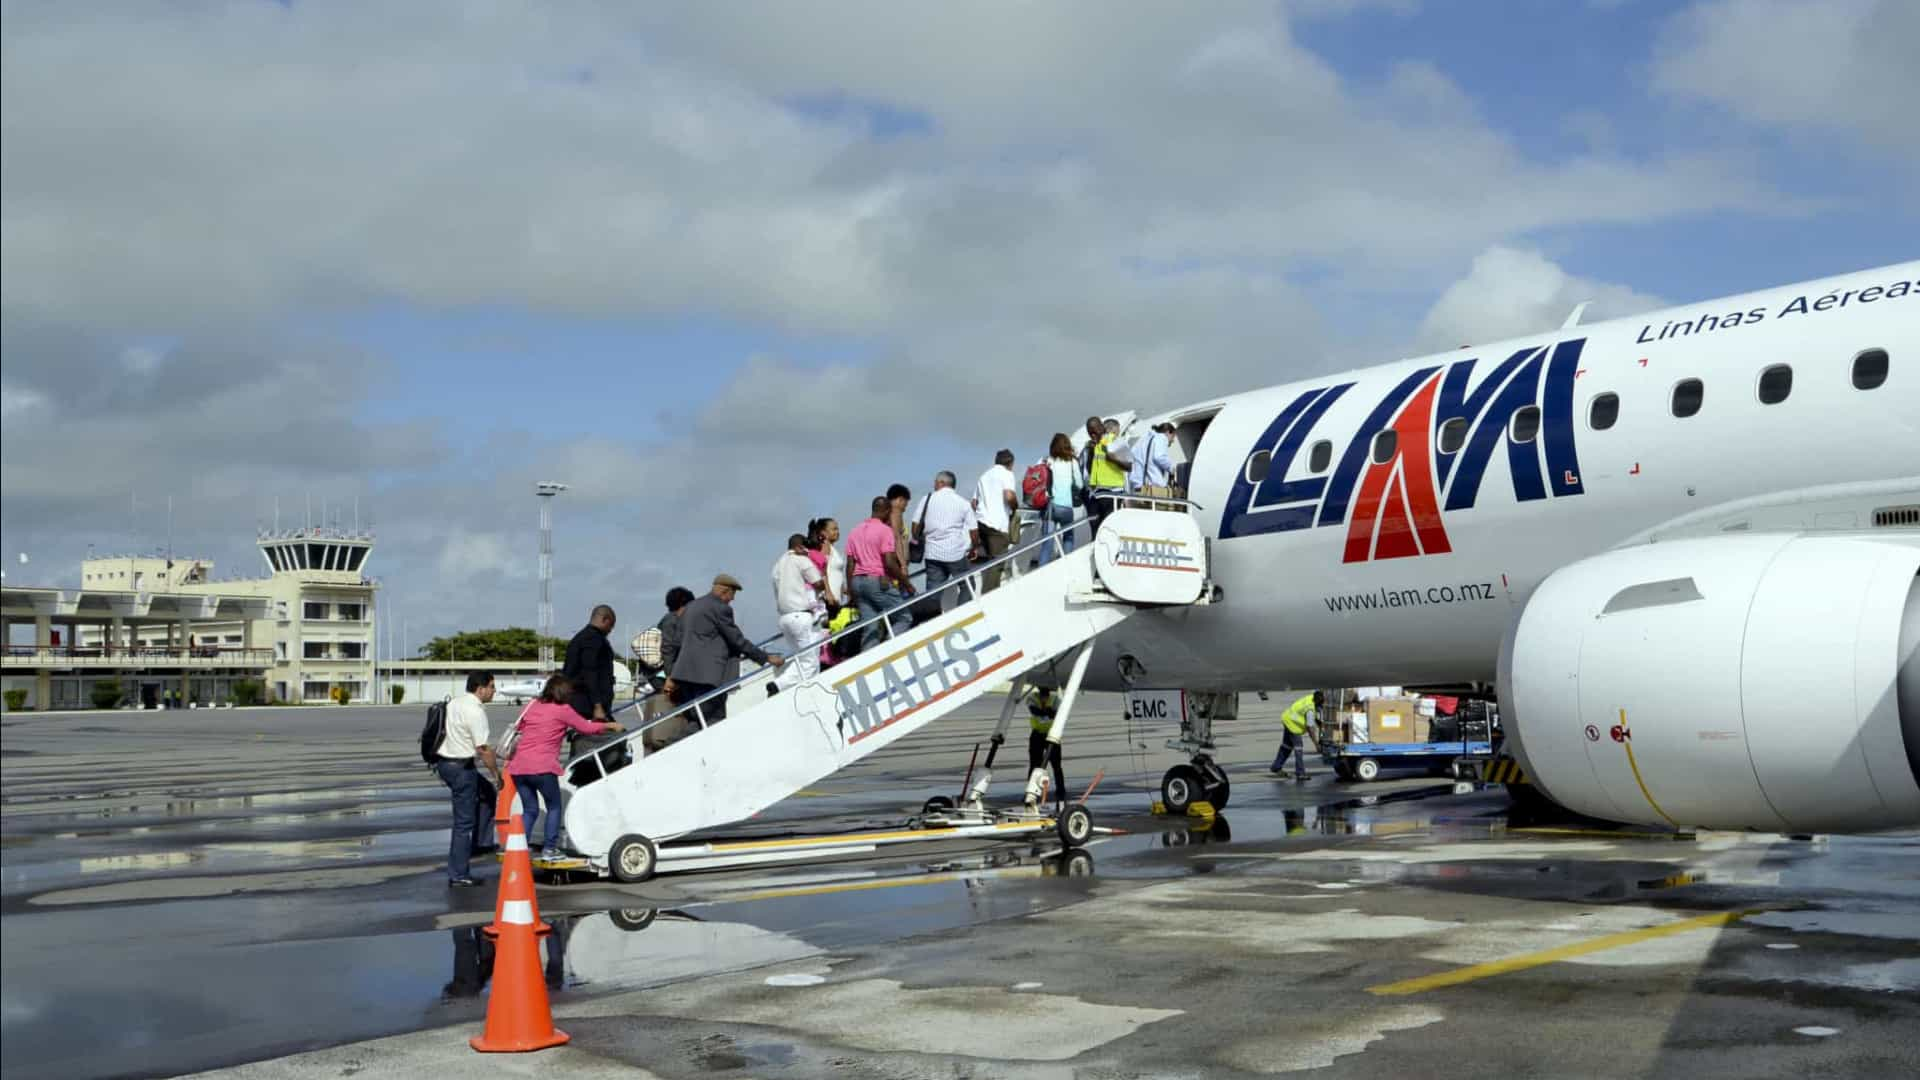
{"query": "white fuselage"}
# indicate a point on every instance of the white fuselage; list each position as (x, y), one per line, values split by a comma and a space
(1424, 587)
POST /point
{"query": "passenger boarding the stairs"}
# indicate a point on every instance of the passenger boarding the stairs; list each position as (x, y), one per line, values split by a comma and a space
(709, 638)
(535, 764)
(880, 581)
(1042, 706)
(1065, 482)
(946, 525)
(822, 535)
(799, 596)
(998, 508)
(1152, 469)
(1297, 719)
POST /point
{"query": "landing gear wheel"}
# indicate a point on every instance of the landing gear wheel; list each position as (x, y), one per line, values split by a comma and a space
(1366, 769)
(1075, 826)
(939, 804)
(633, 919)
(1180, 788)
(632, 859)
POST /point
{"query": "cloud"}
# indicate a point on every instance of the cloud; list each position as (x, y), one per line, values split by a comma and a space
(634, 159)
(1510, 293)
(1016, 217)
(1832, 67)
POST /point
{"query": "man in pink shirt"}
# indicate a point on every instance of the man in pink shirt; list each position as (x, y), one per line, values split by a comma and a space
(878, 576)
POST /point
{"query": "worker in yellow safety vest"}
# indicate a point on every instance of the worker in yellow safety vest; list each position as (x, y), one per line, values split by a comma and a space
(1106, 478)
(1042, 707)
(1298, 717)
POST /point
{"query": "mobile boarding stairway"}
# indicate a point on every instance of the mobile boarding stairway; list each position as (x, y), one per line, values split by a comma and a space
(768, 748)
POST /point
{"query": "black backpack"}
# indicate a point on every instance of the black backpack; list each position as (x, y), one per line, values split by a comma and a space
(434, 733)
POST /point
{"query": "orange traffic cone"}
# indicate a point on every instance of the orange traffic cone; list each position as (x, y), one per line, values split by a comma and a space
(519, 1016)
(516, 882)
(505, 808)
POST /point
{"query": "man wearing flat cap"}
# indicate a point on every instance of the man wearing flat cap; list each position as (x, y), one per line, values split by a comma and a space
(708, 639)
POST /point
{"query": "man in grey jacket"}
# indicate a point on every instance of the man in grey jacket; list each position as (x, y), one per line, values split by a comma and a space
(708, 639)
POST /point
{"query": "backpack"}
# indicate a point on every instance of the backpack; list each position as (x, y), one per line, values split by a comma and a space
(510, 739)
(433, 733)
(1036, 486)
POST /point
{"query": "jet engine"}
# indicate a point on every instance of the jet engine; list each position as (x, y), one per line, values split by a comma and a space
(1742, 681)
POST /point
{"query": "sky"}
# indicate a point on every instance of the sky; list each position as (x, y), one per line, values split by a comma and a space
(725, 267)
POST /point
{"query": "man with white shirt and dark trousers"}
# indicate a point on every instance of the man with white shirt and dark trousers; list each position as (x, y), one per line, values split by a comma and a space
(1152, 470)
(946, 524)
(799, 597)
(998, 509)
(463, 749)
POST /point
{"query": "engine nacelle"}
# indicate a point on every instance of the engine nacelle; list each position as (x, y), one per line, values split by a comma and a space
(1763, 681)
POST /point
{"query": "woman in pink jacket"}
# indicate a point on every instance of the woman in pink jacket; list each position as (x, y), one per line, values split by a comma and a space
(535, 765)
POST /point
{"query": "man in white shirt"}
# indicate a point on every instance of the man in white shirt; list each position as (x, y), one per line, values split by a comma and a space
(463, 749)
(946, 524)
(1153, 465)
(797, 596)
(997, 507)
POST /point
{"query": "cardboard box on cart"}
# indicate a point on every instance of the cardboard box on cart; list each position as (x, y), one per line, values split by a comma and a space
(1396, 720)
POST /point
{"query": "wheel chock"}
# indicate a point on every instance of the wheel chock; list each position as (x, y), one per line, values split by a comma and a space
(1159, 808)
(1201, 808)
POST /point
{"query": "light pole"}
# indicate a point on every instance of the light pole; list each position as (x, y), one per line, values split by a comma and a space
(545, 490)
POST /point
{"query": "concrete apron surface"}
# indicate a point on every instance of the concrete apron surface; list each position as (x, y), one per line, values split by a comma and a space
(1415, 948)
(1343, 929)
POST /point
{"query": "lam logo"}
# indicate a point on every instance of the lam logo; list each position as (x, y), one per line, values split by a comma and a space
(1422, 450)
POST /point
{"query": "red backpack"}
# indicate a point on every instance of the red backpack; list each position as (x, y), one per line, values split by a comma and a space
(1037, 485)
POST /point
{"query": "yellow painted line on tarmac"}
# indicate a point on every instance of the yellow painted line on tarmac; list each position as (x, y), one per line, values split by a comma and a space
(809, 793)
(1554, 955)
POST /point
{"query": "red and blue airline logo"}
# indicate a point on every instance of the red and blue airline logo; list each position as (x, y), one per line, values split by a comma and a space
(1392, 509)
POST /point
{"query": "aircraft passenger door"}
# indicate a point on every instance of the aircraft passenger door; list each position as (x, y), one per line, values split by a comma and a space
(1189, 430)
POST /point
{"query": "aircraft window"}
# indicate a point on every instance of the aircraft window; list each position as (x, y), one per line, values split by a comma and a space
(1320, 457)
(1870, 369)
(1526, 424)
(1384, 444)
(1604, 410)
(1257, 466)
(1453, 435)
(1687, 396)
(1775, 384)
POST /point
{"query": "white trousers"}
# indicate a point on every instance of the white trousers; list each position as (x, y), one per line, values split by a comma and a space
(803, 649)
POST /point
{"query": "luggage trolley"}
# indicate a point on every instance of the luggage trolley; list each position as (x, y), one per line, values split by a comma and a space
(1477, 741)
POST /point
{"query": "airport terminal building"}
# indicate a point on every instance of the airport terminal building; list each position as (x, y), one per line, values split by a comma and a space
(164, 626)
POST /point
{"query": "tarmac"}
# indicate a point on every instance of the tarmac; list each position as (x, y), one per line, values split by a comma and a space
(259, 893)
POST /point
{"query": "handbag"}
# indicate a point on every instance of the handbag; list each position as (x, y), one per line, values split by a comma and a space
(510, 739)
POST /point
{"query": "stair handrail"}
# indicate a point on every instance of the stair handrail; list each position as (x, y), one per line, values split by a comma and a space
(885, 618)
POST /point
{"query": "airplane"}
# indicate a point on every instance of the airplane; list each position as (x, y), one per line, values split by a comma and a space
(519, 691)
(1683, 545)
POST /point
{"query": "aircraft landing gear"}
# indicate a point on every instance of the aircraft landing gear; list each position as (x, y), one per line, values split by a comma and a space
(1202, 778)
(1184, 785)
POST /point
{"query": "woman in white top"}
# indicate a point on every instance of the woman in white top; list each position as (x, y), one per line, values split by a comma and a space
(1067, 479)
(822, 535)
